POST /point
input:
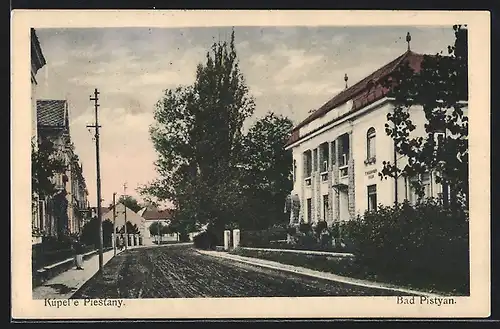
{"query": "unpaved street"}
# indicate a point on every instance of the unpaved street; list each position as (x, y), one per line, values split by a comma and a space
(180, 271)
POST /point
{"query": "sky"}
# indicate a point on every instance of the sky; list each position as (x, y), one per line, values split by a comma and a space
(289, 71)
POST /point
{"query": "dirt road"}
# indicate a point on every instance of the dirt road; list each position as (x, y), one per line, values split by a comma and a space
(180, 271)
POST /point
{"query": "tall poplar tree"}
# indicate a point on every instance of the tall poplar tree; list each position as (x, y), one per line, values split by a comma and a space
(197, 136)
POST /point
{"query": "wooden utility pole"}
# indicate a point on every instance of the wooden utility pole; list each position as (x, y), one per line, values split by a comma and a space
(114, 224)
(125, 213)
(98, 171)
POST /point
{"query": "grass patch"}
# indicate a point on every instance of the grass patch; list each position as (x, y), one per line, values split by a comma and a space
(355, 269)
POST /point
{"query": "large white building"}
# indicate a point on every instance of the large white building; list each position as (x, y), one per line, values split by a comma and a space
(338, 152)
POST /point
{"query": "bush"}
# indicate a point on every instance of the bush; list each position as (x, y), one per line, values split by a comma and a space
(320, 227)
(412, 243)
(206, 240)
(183, 237)
(305, 228)
(291, 230)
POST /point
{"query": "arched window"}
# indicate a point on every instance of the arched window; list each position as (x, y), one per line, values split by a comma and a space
(370, 143)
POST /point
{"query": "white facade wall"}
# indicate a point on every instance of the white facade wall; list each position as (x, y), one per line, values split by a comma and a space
(361, 174)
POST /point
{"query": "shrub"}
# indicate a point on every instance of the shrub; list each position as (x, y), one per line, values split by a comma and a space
(205, 240)
(291, 230)
(183, 237)
(320, 227)
(404, 241)
(305, 228)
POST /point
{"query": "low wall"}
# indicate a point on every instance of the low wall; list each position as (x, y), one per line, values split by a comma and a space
(49, 271)
(307, 252)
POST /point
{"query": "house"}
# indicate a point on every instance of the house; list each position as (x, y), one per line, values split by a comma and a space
(37, 62)
(66, 210)
(118, 218)
(339, 148)
(155, 215)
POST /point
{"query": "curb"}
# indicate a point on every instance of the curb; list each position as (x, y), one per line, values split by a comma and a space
(313, 273)
(306, 252)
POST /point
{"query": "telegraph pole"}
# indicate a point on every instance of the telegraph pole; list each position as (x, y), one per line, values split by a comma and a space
(125, 213)
(98, 171)
(114, 224)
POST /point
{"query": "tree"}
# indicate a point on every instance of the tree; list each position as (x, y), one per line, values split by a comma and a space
(156, 229)
(130, 202)
(440, 87)
(266, 175)
(197, 136)
(131, 228)
(90, 232)
(44, 165)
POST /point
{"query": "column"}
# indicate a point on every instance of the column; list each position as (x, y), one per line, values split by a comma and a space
(351, 184)
(227, 239)
(236, 238)
(336, 179)
(317, 197)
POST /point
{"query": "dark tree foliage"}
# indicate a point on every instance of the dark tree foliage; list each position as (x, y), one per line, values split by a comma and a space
(44, 165)
(90, 232)
(441, 89)
(130, 202)
(266, 177)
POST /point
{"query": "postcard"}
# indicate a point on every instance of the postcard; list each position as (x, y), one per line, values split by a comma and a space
(250, 164)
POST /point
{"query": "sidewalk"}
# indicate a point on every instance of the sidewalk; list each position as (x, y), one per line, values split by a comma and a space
(67, 283)
(64, 285)
(317, 274)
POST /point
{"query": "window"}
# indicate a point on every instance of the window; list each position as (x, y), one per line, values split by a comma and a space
(343, 150)
(333, 152)
(372, 197)
(324, 155)
(325, 207)
(307, 163)
(370, 144)
(315, 160)
(294, 170)
(439, 138)
(309, 210)
(426, 184)
(41, 212)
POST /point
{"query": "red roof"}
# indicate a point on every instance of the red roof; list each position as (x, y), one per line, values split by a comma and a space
(363, 93)
(157, 214)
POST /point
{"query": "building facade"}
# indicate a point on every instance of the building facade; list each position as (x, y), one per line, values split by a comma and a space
(66, 210)
(118, 216)
(339, 149)
(37, 62)
(160, 216)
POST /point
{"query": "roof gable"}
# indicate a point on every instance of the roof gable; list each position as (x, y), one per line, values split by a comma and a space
(119, 214)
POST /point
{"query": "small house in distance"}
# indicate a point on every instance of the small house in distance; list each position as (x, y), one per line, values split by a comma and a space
(134, 218)
(157, 222)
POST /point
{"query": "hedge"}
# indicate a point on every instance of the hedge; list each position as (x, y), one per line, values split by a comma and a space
(426, 242)
(262, 238)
